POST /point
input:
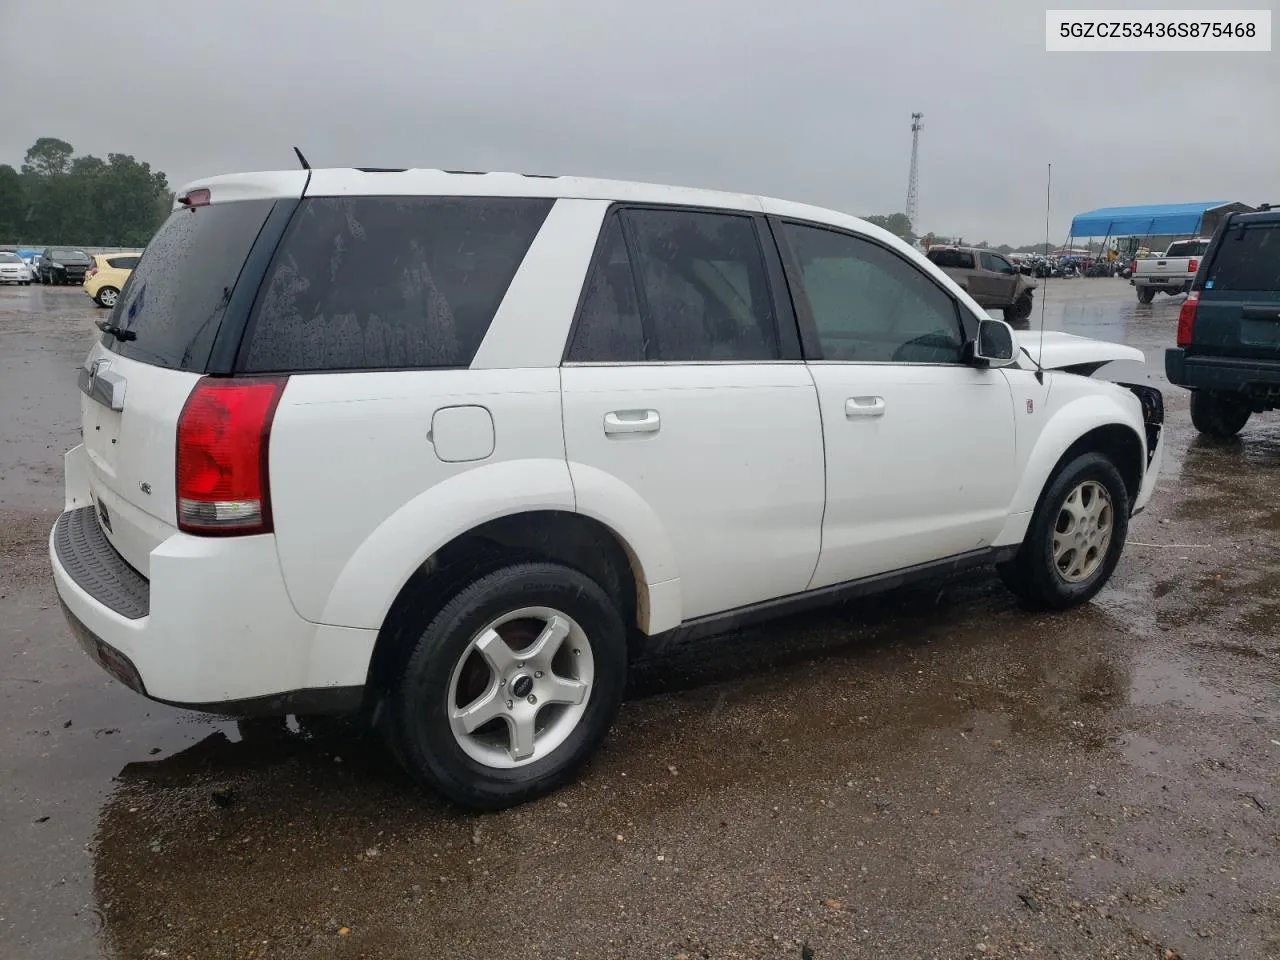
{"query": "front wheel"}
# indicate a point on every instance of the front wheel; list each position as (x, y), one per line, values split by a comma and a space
(1020, 310)
(511, 687)
(1075, 537)
(1217, 415)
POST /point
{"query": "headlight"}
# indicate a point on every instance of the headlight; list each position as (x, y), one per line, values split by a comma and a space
(56, 266)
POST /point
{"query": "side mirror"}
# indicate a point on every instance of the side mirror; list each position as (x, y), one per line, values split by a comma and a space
(995, 345)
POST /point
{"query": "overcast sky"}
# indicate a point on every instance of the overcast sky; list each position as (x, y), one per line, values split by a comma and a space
(804, 99)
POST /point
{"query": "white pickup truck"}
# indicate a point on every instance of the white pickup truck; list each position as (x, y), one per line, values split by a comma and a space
(1172, 271)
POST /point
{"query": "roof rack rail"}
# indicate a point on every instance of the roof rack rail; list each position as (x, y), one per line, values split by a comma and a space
(382, 169)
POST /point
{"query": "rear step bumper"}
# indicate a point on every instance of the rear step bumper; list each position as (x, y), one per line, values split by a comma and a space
(1220, 373)
(213, 630)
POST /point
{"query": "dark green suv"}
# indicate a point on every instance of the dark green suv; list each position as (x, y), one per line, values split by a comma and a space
(1228, 351)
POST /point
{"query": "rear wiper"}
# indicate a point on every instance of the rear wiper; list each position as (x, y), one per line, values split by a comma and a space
(118, 332)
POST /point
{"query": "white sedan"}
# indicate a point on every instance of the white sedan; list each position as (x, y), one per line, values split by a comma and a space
(13, 269)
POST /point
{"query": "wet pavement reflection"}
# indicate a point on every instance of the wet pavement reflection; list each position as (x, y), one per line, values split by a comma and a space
(933, 773)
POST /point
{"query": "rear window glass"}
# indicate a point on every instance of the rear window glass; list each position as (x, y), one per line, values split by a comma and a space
(175, 298)
(1187, 248)
(1248, 259)
(370, 283)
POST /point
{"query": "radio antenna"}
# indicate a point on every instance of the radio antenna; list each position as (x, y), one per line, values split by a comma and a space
(1048, 192)
(301, 159)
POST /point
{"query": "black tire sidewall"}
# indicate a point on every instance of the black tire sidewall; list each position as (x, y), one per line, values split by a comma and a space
(1217, 416)
(1041, 573)
(420, 723)
(98, 298)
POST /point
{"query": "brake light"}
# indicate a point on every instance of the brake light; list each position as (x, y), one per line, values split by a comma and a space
(92, 271)
(223, 434)
(1193, 265)
(196, 198)
(1187, 318)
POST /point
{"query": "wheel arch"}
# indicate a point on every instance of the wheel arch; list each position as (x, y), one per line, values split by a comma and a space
(548, 535)
(1089, 424)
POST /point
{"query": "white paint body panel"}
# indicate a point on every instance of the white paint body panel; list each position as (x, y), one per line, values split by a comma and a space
(733, 470)
(929, 476)
(721, 506)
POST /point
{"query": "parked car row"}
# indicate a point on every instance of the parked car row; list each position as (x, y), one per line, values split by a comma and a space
(102, 275)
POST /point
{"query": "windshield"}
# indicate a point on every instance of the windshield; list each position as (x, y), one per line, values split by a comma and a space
(10, 258)
(64, 255)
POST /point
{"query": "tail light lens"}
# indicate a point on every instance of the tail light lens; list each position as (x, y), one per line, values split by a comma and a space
(223, 434)
(1187, 318)
(1193, 265)
(92, 271)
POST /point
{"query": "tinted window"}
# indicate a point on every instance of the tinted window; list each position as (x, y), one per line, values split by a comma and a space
(609, 328)
(76, 256)
(123, 263)
(956, 259)
(175, 298)
(999, 264)
(705, 293)
(369, 283)
(870, 305)
(1248, 259)
(1187, 248)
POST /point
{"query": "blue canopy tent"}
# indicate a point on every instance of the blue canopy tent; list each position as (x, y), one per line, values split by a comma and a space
(1154, 219)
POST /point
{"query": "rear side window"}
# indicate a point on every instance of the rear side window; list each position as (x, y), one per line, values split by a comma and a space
(1247, 260)
(175, 297)
(955, 259)
(373, 283)
(701, 288)
(123, 263)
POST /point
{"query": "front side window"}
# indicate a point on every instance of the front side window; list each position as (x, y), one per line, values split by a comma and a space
(868, 304)
(996, 263)
(676, 286)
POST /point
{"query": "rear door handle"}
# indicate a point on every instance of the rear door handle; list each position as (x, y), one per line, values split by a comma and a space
(864, 407)
(632, 421)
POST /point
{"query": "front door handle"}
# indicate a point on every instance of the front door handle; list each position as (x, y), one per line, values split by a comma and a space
(632, 421)
(864, 407)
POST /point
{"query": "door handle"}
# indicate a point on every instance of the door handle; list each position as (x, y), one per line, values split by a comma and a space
(864, 407)
(632, 421)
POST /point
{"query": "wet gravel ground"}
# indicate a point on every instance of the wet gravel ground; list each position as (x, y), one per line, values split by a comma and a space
(934, 774)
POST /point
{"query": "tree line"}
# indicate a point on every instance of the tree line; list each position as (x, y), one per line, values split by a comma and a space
(60, 198)
(900, 226)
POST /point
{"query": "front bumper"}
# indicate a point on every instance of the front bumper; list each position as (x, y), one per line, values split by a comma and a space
(213, 629)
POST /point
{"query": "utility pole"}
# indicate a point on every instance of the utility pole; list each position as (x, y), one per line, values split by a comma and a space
(913, 186)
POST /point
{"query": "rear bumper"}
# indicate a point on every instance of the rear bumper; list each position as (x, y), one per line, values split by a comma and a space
(1162, 282)
(1221, 373)
(213, 629)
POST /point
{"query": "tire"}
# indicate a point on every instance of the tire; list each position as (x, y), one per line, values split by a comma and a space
(107, 297)
(1146, 294)
(1034, 575)
(1218, 415)
(1020, 310)
(480, 770)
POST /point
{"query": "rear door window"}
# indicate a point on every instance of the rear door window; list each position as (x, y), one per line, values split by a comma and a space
(378, 283)
(1248, 260)
(175, 298)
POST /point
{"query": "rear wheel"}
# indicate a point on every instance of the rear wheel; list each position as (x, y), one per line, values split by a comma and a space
(107, 297)
(1075, 538)
(1218, 415)
(1146, 294)
(511, 687)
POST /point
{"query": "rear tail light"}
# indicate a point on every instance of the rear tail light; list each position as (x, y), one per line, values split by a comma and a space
(1193, 265)
(1187, 318)
(223, 434)
(91, 272)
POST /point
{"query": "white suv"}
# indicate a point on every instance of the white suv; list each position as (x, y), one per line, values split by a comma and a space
(454, 447)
